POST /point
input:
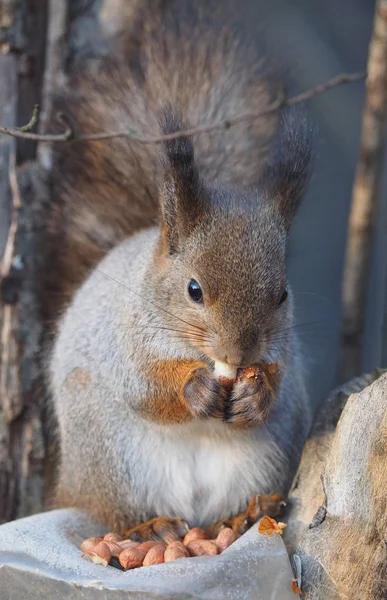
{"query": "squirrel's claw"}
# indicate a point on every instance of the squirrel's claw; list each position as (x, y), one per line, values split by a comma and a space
(271, 505)
(159, 529)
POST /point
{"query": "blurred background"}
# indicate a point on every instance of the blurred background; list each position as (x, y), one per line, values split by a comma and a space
(318, 40)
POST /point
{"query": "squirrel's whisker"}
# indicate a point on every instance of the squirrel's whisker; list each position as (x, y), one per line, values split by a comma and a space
(147, 300)
(313, 294)
(319, 322)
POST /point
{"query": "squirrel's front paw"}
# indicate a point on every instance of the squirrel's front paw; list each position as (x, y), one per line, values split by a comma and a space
(162, 529)
(204, 395)
(252, 400)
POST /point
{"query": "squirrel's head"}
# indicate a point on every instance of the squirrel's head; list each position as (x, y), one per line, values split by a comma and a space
(222, 276)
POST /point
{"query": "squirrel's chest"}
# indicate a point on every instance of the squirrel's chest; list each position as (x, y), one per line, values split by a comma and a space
(201, 475)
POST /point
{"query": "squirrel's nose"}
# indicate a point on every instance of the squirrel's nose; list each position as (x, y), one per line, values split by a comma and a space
(234, 359)
(244, 352)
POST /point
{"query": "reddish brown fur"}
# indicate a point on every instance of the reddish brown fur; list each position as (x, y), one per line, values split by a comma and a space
(170, 376)
(178, 405)
(270, 504)
(159, 529)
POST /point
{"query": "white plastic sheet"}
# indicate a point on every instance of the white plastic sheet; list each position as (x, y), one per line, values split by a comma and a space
(40, 558)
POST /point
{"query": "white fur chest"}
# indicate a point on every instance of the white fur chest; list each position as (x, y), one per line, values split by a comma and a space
(201, 472)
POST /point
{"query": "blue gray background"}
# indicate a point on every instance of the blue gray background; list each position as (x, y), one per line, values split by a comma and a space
(318, 39)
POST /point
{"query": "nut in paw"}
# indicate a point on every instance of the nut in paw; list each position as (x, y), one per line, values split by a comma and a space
(253, 396)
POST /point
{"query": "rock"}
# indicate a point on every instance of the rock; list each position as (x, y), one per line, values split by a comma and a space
(307, 494)
(344, 554)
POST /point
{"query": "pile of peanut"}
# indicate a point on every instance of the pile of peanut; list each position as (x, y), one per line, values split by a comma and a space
(131, 554)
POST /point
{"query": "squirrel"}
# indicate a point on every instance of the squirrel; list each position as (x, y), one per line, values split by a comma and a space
(171, 256)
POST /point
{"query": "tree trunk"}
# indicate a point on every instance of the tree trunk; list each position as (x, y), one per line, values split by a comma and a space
(37, 39)
(22, 43)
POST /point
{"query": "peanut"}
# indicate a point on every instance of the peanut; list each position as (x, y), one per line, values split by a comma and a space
(225, 538)
(155, 555)
(202, 547)
(90, 543)
(113, 537)
(100, 554)
(196, 533)
(174, 551)
(128, 544)
(224, 370)
(178, 544)
(131, 558)
(115, 549)
(145, 546)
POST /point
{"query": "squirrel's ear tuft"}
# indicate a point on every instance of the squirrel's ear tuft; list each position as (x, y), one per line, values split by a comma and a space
(287, 172)
(182, 198)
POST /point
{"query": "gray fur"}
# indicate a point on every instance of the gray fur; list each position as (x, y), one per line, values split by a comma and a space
(133, 310)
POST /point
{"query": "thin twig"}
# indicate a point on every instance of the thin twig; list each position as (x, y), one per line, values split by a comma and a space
(33, 121)
(364, 197)
(281, 101)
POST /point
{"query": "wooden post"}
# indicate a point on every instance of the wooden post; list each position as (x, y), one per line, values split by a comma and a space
(364, 198)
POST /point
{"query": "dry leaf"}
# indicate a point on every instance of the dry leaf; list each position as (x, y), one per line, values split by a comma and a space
(268, 526)
(295, 587)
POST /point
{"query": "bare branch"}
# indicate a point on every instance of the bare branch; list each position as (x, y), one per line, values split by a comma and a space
(281, 101)
(33, 121)
(364, 197)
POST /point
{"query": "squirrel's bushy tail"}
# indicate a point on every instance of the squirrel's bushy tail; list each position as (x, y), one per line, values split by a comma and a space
(187, 54)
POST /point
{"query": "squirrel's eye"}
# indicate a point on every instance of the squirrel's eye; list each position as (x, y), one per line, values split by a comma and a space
(195, 291)
(284, 295)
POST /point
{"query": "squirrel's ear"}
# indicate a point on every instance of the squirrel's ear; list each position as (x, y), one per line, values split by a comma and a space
(182, 198)
(287, 172)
